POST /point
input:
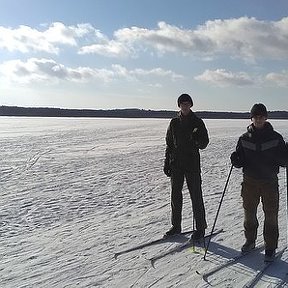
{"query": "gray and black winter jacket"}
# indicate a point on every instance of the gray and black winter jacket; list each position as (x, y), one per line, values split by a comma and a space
(260, 152)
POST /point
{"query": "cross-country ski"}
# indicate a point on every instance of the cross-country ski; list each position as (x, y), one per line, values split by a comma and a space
(185, 245)
(152, 242)
(266, 265)
(228, 263)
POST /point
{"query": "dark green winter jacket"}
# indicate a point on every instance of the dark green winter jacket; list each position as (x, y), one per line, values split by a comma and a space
(185, 136)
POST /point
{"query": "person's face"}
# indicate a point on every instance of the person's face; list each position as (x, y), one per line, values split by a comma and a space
(259, 121)
(185, 107)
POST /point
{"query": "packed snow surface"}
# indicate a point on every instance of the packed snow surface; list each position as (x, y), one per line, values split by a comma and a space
(76, 191)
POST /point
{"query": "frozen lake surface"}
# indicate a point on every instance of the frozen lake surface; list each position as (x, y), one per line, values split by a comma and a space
(75, 191)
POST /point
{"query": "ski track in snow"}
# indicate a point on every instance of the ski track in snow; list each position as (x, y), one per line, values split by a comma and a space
(75, 191)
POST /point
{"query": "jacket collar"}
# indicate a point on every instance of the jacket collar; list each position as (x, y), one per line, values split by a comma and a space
(266, 129)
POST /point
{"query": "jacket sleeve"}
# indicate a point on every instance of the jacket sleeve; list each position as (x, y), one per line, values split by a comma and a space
(201, 136)
(237, 157)
(282, 153)
(169, 144)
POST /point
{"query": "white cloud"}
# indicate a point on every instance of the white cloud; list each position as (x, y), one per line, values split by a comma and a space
(26, 39)
(223, 78)
(281, 79)
(49, 71)
(107, 49)
(158, 72)
(166, 38)
(246, 38)
(243, 37)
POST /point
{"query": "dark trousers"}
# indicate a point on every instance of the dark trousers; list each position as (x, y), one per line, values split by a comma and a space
(193, 180)
(267, 191)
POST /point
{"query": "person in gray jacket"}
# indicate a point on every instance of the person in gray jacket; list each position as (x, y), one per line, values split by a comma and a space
(186, 134)
(259, 152)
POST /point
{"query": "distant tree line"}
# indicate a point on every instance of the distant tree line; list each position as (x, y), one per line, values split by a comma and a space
(124, 113)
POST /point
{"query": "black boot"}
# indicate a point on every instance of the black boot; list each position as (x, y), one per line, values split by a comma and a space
(197, 235)
(248, 246)
(173, 231)
(269, 255)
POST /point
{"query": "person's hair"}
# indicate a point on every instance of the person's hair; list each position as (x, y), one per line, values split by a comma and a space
(258, 109)
(184, 98)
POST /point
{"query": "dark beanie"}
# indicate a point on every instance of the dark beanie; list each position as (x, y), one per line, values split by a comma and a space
(258, 110)
(184, 98)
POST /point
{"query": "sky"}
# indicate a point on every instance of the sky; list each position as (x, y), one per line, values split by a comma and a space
(107, 54)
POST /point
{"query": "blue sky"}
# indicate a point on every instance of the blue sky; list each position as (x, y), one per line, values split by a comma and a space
(108, 54)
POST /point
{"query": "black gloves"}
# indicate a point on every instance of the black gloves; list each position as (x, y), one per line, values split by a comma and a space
(167, 169)
(235, 160)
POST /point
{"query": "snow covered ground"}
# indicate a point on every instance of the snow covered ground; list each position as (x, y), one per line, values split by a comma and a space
(75, 191)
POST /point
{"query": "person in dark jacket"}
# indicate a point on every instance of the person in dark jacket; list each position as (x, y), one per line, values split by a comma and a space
(186, 134)
(260, 151)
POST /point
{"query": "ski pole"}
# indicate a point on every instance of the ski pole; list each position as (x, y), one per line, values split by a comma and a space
(221, 200)
(193, 229)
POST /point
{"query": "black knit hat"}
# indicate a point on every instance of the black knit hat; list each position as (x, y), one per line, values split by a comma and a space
(258, 110)
(184, 98)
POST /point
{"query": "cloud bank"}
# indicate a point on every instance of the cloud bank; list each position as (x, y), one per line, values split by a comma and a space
(43, 70)
(246, 39)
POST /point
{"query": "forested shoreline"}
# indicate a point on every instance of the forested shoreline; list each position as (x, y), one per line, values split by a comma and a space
(124, 113)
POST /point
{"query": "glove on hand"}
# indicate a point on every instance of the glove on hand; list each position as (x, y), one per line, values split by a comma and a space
(167, 169)
(235, 160)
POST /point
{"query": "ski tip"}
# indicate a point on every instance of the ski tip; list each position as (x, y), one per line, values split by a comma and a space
(116, 255)
(205, 278)
(152, 261)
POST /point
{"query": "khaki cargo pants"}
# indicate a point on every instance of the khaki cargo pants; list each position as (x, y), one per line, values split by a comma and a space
(267, 191)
